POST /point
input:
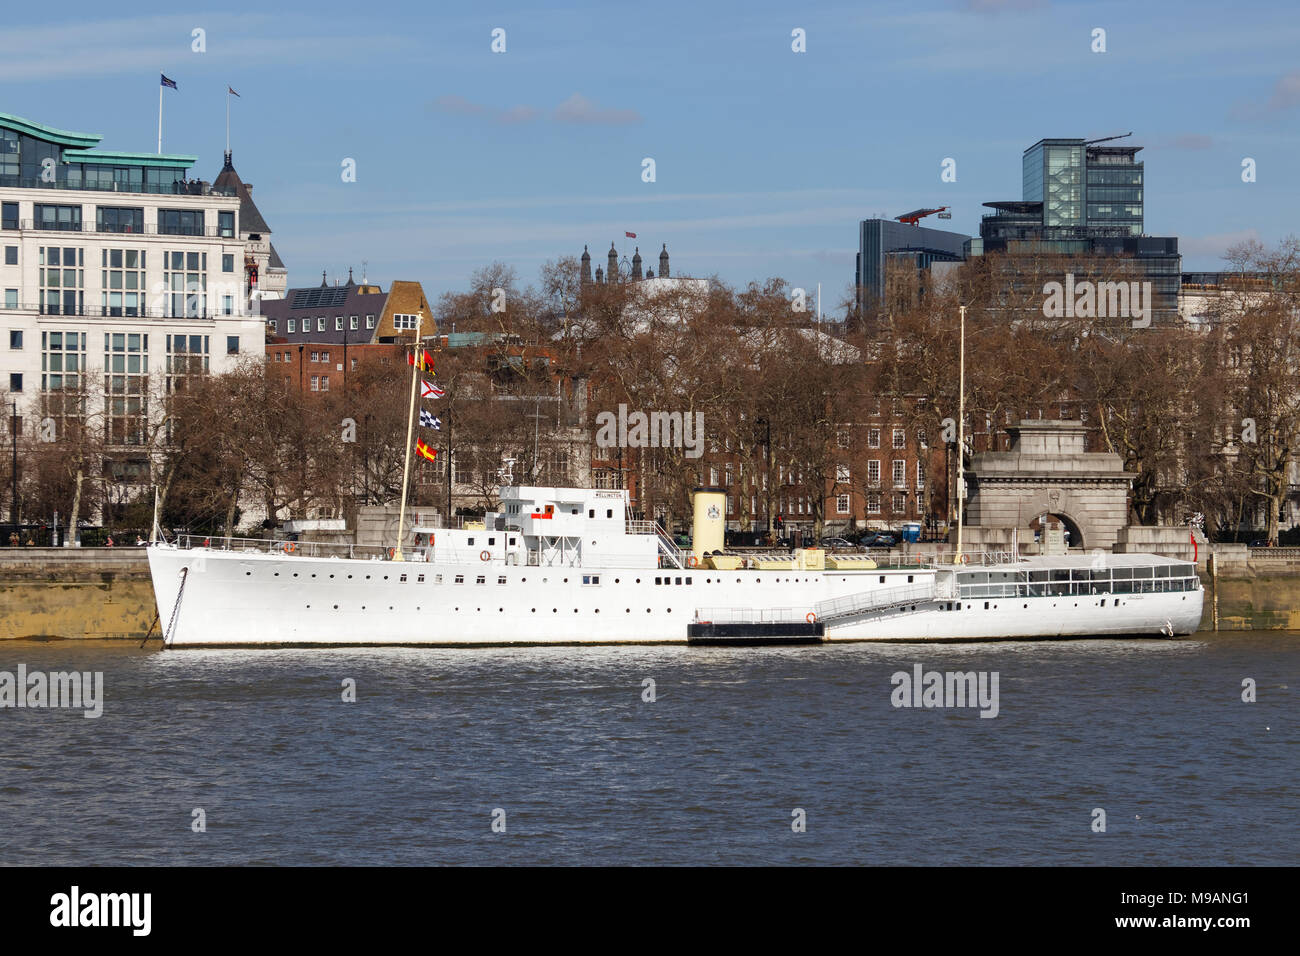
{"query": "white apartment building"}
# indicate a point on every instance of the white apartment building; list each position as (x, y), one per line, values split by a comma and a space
(118, 273)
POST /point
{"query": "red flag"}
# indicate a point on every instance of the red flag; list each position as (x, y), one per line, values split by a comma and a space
(424, 450)
(630, 235)
(426, 360)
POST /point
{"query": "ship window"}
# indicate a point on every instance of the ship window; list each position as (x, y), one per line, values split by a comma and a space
(491, 542)
(909, 579)
(460, 579)
(882, 579)
(609, 512)
(591, 579)
(575, 511)
(437, 579)
(986, 605)
(512, 541)
(501, 579)
(688, 580)
(657, 580)
(419, 579)
(591, 512)
(401, 579)
(678, 581)
(481, 579)
(470, 541)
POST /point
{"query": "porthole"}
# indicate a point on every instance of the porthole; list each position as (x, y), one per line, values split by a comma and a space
(277, 574)
(555, 610)
(336, 607)
(534, 610)
(647, 610)
(247, 573)
(295, 574)
(597, 610)
(349, 577)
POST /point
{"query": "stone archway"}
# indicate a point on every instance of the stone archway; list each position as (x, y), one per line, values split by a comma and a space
(1047, 472)
(1074, 534)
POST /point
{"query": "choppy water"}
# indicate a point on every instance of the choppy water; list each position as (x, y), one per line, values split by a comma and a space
(1154, 732)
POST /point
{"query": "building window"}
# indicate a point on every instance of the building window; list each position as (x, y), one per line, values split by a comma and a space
(320, 323)
(63, 359)
(180, 222)
(8, 214)
(62, 278)
(325, 357)
(873, 437)
(59, 218)
(900, 438)
(293, 325)
(232, 344)
(338, 323)
(842, 504)
(186, 355)
(315, 383)
(226, 224)
(873, 472)
(370, 321)
(352, 322)
(315, 356)
(227, 262)
(122, 279)
(227, 305)
(11, 298)
(15, 339)
(921, 439)
(119, 219)
(324, 383)
(354, 364)
(920, 476)
(126, 372)
(185, 277)
(900, 504)
(15, 381)
(873, 504)
(403, 321)
(900, 472)
(273, 325)
(11, 255)
(842, 474)
(277, 356)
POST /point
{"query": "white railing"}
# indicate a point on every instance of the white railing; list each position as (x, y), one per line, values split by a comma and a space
(290, 549)
(749, 615)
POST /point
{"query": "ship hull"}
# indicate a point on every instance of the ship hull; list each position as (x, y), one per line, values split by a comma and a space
(215, 598)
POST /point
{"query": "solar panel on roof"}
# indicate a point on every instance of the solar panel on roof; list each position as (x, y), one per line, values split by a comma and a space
(318, 298)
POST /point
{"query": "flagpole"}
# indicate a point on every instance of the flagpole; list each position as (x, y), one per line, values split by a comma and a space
(160, 89)
(227, 119)
(410, 428)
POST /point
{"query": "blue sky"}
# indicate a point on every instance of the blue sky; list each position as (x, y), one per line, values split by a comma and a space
(765, 158)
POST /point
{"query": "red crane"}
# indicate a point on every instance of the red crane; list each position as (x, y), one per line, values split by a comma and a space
(916, 215)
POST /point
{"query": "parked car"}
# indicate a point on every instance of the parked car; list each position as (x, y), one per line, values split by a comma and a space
(878, 539)
(835, 544)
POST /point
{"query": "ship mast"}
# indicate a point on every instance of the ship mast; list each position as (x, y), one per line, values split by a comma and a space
(410, 428)
(961, 432)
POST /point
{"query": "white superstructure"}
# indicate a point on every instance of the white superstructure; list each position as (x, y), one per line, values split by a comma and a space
(566, 566)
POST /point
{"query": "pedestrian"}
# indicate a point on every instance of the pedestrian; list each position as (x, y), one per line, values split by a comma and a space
(13, 539)
(110, 541)
(139, 541)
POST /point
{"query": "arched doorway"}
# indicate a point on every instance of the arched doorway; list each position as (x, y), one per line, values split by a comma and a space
(1051, 519)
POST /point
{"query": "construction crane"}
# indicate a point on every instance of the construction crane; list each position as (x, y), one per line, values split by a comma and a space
(1107, 139)
(916, 215)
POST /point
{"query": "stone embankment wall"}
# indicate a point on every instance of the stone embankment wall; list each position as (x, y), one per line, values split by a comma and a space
(75, 593)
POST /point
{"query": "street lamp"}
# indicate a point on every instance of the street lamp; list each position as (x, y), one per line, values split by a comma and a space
(961, 430)
(13, 431)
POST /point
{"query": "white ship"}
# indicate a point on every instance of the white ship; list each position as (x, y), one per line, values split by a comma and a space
(568, 566)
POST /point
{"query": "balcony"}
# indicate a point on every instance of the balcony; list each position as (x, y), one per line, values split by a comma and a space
(154, 189)
(122, 312)
(148, 229)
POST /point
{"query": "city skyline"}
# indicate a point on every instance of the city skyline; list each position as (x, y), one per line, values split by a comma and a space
(465, 156)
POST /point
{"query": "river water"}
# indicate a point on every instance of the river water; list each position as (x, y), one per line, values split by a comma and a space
(559, 747)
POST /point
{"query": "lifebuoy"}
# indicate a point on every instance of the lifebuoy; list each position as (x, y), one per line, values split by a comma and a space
(392, 553)
(692, 562)
(812, 617)
(965, 559)
(485, 556)
(290, 547)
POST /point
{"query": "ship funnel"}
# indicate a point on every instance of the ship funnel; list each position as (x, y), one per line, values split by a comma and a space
(710, 520)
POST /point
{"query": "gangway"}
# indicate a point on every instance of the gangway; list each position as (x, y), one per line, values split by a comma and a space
(879, 600)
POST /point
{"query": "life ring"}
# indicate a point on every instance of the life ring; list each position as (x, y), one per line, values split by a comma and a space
(290, 547)
(811, 617)
(485, 556)
(965, 559)
(392, 553)
(692, 562)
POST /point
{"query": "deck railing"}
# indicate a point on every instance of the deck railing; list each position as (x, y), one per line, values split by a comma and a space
(291, 549)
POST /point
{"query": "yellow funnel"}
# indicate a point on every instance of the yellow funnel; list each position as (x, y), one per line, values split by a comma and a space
(710, 520)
